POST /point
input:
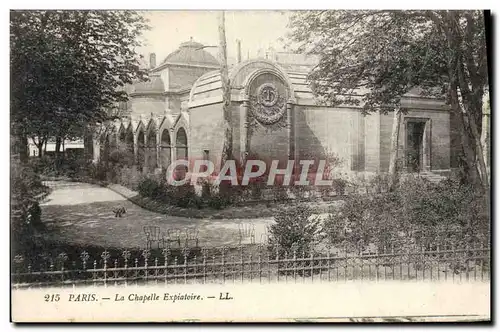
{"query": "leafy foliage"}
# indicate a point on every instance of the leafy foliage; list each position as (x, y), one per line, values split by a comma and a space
(295, 229)
(68, 68)
(417, 213)
(373, 58)
(27, 191)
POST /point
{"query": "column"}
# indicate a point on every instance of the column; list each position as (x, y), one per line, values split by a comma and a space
(96, 149)
(402, 135)
(244, 140)
(426, 147)
(291, 147)
(158, 150)
(173, 152)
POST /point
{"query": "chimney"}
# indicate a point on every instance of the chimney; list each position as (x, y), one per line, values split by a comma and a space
(238, 50)
(152, 60)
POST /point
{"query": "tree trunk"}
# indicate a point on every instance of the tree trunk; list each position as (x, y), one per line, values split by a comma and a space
(479, 151)
(22, 146)
(393, 174)
(485, 137)
(472, 171)
(58, 152)
(58, 145)
(227, 150)
(40, 149)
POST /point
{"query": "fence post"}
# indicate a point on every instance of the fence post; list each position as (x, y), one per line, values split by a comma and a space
(251, 266)
(259, 262)
(242, 264)
(156, 270)
(136, 269)
(345, 263)
(454, 261)
(295, 264)
(176, 270)
(393, 267)
(115, 272)
(94, 273)
(311, 261)
(223, 265)
(62, 257)
(185, 252)
(51, 268)
(438, 255)
(105, 256)
(146, 253)
(268, 267)
(204, 254)
(166, 253)
(29, 271)
(277, 263)
(286, 266)
(126, 257)
(467, 262)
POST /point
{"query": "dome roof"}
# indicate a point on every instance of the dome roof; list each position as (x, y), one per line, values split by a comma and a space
(155, 84)
(192, 53)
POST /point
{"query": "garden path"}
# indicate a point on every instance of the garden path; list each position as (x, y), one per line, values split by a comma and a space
(82, 214)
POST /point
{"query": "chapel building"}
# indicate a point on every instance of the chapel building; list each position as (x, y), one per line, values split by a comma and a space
(178, 114)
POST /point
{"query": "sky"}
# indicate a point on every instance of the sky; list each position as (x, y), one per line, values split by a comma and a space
(256, 30)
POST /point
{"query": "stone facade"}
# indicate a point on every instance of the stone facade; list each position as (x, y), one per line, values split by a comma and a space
(274, 116)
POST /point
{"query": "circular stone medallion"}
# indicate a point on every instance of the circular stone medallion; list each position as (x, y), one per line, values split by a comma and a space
(269, 107)
(268, 94)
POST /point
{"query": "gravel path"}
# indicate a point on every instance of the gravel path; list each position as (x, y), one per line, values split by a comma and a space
(81, 213)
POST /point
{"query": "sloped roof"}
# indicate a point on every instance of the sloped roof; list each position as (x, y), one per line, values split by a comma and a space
(191, 53)
(154, 84)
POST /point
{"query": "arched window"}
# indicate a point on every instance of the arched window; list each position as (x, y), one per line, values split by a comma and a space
(165, 149)
(181, 144)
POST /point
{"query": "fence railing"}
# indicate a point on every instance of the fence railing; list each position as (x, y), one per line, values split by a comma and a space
(253, 263)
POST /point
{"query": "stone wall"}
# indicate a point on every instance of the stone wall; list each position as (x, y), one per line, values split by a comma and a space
(336, 130)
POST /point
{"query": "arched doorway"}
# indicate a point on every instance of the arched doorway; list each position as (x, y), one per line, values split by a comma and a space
(151, 161)
(129, 145)
(140, 149)
(181, 152)
(181, 144)
(165, 149)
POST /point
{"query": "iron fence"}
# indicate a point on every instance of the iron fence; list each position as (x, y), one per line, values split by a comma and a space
(252, 263)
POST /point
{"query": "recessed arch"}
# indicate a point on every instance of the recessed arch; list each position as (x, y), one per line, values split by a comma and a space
(129, 145)
(141, 147)
(151, 146)
(181, 143)
(165, 148)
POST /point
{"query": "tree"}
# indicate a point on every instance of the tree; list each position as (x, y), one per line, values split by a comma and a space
(68, 68)
(373, 58)
(227, 149)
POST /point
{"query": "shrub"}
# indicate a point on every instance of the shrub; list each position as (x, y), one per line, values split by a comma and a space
(45, 166)
(417, 213)
(150, 188)
(183, 196)
(280, 194)
(295, 228)
(339, 186)
(27, 191)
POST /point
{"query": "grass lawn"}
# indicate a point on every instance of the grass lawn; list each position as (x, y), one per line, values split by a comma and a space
(82, 214)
